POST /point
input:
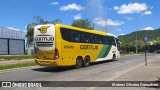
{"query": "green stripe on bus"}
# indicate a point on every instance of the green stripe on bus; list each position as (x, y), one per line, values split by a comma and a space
(104, 51)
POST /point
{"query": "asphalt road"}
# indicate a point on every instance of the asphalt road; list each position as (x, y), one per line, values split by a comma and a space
(102, 71)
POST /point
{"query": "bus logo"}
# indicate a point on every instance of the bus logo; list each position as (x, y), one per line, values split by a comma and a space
(43, 29)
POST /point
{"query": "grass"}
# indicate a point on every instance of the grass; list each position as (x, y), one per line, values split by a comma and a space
(126, 54)
(4, 58)
(18, 65)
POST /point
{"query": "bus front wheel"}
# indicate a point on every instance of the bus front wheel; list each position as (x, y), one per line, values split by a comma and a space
(86, 61)
(78, 62)
(114, 57)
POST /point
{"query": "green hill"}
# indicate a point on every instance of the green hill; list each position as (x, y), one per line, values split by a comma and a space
(153, 35)
(129, 40)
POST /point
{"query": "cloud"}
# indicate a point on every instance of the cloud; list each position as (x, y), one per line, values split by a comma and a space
(78, 16)
(54, 3)
(121, 34)
(100, 22)
(148, 28)
(147, 12)
(108, 22)
(131, 8)
(128, 18)
(13, 28)
(114, 23)
(116, 8)
(72, 6)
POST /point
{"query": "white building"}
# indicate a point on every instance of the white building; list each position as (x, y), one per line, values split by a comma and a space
(12, 41)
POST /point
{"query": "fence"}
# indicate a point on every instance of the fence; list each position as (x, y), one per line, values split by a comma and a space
(12, 46)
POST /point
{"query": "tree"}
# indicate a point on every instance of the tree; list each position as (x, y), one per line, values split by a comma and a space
(29, 35)
(86, 24)
(123, 42)
(37, 20)
(56, 21)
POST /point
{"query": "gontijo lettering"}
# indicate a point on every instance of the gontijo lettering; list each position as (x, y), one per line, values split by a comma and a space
(88, 47)
(44, 38)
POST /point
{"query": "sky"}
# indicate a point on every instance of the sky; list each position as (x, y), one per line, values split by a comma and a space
(119, 17)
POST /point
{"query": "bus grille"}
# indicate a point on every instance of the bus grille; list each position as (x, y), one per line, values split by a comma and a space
(44, 44)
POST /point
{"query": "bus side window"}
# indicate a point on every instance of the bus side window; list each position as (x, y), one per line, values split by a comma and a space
(92, 38)
(106, 40)
(85, 38)
(110, 40)
(66, 34)
(75, 37)
(100, 39)
(82, 37)
(113, 41)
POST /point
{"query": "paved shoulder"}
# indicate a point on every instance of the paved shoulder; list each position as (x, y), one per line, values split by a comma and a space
(151, 72)
(15, 61)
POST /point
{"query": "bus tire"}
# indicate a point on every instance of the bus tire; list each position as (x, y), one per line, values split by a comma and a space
(114, 57)
(78, 63)
(86, 61)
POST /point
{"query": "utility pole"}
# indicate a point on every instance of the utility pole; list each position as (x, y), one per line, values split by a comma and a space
(106, 7)
(145, 55)
(136, 43)
(145, 39)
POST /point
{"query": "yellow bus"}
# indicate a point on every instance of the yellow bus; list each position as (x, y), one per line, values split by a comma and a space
(62, 45)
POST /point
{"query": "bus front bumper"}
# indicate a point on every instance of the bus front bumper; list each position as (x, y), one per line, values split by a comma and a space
(46, 62)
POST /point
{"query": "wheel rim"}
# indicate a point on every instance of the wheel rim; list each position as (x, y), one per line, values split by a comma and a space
(78, 63)
(87, 61)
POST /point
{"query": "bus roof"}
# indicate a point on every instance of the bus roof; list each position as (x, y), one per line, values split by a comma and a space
(109, 34)
(84, 30)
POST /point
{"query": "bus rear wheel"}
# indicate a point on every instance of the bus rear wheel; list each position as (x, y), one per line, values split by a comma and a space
(78, 63)
(86, 61)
